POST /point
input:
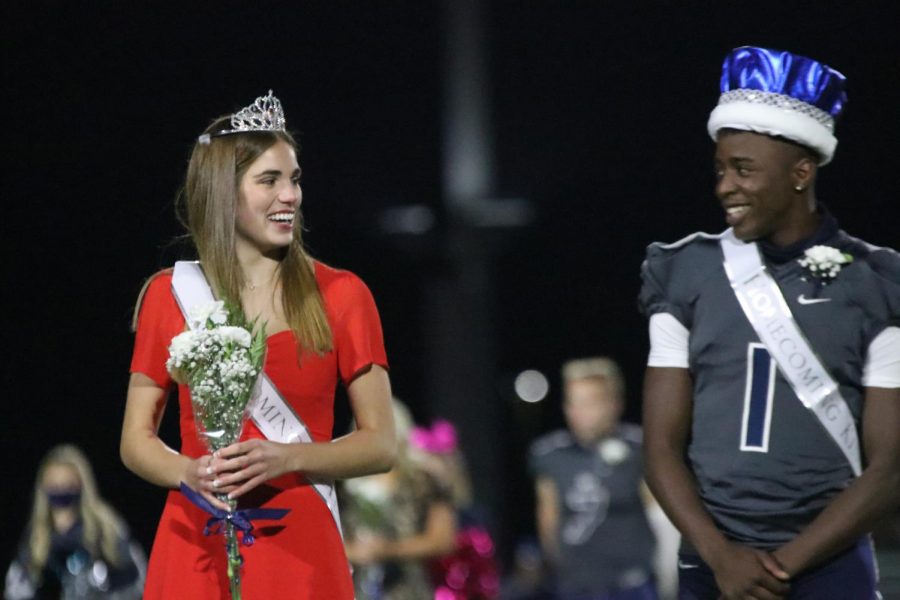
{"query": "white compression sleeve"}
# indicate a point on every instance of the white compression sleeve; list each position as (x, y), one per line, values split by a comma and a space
(668, 342)
(883, 360)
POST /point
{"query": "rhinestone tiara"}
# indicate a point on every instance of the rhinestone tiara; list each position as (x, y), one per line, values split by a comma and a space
(265, 114)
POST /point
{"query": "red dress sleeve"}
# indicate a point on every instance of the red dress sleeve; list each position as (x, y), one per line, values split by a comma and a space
(358, 339)
(159, 320)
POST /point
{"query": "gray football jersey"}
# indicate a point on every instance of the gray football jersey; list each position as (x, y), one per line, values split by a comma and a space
(605, 539)
(765, 466)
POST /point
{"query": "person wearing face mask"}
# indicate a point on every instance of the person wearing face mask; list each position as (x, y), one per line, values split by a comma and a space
(75, 546)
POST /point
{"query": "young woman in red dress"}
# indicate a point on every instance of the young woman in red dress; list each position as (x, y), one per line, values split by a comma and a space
(242, 198)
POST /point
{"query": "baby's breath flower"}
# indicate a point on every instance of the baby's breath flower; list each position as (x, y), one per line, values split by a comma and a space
(238, 335)
(220, 363)
(824, 262)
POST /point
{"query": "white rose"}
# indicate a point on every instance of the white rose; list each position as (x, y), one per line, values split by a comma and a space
(238, 335)
(212, 311)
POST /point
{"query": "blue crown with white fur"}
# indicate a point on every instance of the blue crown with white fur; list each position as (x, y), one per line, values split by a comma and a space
(774, 92)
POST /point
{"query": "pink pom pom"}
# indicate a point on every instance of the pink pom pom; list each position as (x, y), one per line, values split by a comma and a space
(439, 439)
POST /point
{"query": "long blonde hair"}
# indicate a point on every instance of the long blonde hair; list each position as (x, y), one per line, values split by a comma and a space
(207, 206)
(102, 526)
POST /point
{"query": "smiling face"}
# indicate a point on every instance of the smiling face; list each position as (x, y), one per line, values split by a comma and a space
(269, 197)
(756, 181)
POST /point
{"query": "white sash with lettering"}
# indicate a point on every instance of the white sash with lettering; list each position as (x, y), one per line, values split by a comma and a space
(269, 411)
(765, 307)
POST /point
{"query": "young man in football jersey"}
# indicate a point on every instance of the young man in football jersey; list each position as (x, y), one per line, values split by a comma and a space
(590, 501)
(772, 393)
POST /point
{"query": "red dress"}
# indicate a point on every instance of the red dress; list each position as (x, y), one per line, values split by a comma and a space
(302, 555)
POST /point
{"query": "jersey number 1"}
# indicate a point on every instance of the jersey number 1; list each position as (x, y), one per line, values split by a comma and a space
(758, 399)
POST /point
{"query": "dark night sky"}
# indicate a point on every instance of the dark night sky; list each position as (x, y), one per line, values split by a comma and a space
(599, 113)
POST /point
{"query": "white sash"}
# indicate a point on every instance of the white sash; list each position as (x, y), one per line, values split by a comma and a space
(270, 413)
(768, 313)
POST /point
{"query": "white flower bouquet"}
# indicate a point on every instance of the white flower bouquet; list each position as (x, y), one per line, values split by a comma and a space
(824, 262)
(220, 361)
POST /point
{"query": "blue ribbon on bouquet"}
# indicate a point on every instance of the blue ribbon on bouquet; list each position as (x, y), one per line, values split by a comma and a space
(241, 519)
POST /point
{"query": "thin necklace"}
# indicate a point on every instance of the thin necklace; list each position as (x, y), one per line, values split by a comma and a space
(251, 286)
(254, 286)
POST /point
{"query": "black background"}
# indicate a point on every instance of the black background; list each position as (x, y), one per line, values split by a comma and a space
(599, 113)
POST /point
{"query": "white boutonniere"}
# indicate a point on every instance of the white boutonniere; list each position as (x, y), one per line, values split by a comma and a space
(824, 262)
(613, 451)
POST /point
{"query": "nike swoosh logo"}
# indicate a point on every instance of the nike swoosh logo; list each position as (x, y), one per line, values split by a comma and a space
(804, 300)
(684, 565)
